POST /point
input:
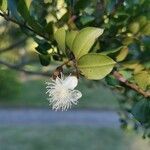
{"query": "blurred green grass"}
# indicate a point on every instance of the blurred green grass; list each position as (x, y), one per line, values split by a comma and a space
(32, 94)
(68, 138)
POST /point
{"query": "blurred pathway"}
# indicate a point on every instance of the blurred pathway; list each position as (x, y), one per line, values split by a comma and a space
(47, 117)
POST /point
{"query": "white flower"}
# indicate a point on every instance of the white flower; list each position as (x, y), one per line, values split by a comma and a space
(61, 92)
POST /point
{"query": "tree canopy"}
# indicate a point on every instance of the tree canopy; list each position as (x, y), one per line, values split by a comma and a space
(94, 39)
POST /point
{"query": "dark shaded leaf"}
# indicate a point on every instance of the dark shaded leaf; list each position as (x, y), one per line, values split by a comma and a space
(44, 59)
(141, 111)
(43, 48)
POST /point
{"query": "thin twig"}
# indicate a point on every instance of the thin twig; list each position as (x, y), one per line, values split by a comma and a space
(76, 67)
(136, 88)
(17, 68)
(65, 63)
(7, 18)
(2, 50)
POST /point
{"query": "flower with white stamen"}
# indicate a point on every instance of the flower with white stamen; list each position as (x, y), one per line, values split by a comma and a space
(61, 92)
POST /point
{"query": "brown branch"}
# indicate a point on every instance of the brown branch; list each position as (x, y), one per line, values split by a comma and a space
(76, 67)
(2, 50)
(136, 88)
(72, 19)
(17, 68)
(7, 18)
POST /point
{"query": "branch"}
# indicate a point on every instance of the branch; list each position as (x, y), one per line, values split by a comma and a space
(12, 46)
(136, 88)
(17, 68)
(7, 18)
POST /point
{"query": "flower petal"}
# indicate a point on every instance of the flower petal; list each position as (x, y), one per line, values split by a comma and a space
(58, 80)
(70, 82)
(75, 95)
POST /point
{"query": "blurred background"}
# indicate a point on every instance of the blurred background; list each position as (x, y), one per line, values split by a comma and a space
(26, 119)
(23, 106)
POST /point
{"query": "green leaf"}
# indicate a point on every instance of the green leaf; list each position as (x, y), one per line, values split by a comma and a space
(107, 52)
(146, 29)
(86, 19)
(142, 20)
(134, 27)
(85, 40)
(49, 28)
(111, 80)
(81, 4)
(95, 66)
(122, 54)
(23, 9)
(142, 79)
(138, 68)
(70, 36)
(60, 37)
(141, 111)
(3, 5)
(128, 40)
(44, 59)
(28, 3)
(127, 74)
(131, 65)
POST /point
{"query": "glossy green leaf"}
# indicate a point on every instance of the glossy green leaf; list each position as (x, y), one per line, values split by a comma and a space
(122, 54)
(3, 5)
(60, 37)
(28, 3)
(95, 66)
(70, 36)
(142, 79)
(85, 40)
(107, 52)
